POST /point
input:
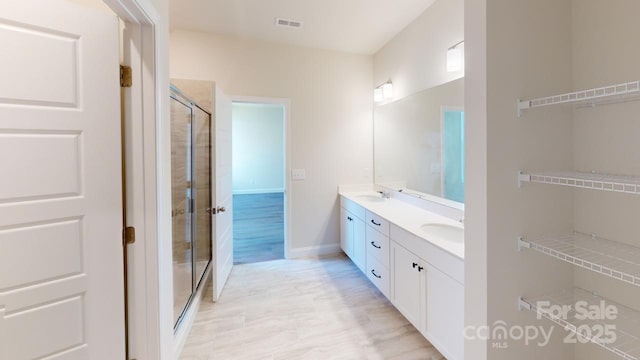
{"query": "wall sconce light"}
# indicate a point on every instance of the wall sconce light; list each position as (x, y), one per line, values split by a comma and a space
(387, 90)
(455, 58)
(377, 94)
(383, 92)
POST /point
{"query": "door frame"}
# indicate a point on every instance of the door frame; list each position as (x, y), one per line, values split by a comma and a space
(287, 154)
(148, 161)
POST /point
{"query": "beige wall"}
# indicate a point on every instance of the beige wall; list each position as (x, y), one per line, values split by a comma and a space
(415, 59)
(331, 111)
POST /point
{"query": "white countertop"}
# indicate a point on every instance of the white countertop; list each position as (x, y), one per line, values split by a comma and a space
(409, 218)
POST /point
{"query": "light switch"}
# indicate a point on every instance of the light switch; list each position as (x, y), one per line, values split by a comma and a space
(298, 174)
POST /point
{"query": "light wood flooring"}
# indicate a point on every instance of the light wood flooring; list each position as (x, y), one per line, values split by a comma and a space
(258, 227)
(302, 309)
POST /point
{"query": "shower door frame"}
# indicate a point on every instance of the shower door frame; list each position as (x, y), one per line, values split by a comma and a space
(177, 95)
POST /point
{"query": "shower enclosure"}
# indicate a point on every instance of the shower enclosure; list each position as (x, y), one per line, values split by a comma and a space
(190, 197)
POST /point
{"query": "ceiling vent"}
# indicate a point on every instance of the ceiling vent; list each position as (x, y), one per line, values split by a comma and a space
(295, 24)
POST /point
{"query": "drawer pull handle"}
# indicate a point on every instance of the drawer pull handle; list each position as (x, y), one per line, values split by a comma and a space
(375, 223)
(373, 271)
(414, 265)
(375, 246)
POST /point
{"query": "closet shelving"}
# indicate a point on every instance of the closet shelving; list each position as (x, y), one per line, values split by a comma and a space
(613, 259)
(610, 258)
(603, 182)
(626, 323)
(592, 95)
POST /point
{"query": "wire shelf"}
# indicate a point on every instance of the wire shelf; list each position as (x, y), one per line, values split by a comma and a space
(603, 182)
(610, 258)
(627, 322)
(592, 95)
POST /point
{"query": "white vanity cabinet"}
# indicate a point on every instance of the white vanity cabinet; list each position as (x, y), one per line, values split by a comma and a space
(427, 287)
(422, 280)
(352, 233)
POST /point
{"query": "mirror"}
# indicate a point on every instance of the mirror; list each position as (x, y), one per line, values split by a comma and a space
(419, 144)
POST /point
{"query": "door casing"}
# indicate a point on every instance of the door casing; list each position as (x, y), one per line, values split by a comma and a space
(148, 161)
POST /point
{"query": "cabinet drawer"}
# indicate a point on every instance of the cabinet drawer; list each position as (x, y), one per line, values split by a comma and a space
(377, 246)
(379, 275)
(378, 223)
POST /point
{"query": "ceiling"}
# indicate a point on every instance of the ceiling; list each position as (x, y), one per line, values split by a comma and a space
(355, 26)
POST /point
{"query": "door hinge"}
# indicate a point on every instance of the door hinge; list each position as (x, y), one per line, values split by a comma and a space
(129, 235)
(126, 76)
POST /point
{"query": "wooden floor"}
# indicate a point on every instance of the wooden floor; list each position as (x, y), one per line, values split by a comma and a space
(302, 309)
(258, 227)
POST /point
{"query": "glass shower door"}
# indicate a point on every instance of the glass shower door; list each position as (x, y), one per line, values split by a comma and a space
(180, 204)
(202, 191)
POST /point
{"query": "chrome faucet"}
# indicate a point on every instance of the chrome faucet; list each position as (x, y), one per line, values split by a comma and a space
(385, 195)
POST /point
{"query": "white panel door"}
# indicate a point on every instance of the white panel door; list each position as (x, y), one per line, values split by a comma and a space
(223, 197)
(61, 270)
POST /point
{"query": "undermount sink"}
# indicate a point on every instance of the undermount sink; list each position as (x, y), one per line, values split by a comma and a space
(371, 197)
(443, 232)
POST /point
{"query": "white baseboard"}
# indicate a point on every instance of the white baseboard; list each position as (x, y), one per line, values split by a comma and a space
(314, 251)
(257, 191)
(184, 329)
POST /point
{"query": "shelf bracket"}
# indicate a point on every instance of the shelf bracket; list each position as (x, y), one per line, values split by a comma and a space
(523, 105)
(522, 177)
(523, 305)
(523, 244)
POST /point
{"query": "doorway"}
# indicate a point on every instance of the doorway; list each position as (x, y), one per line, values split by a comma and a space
(259, 181)
(453, 140)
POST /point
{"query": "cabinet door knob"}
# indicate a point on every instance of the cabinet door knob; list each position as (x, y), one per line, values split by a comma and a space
(414, 265)
(420, 268)
(373, 271)
(375, 246)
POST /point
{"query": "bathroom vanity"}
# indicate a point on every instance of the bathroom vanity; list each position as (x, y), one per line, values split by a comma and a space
(415, 257)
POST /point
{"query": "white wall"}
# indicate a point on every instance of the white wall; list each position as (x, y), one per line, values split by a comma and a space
(415, 59)
(258, 148)
(331, 111)
(536, 36)
(475, 224)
